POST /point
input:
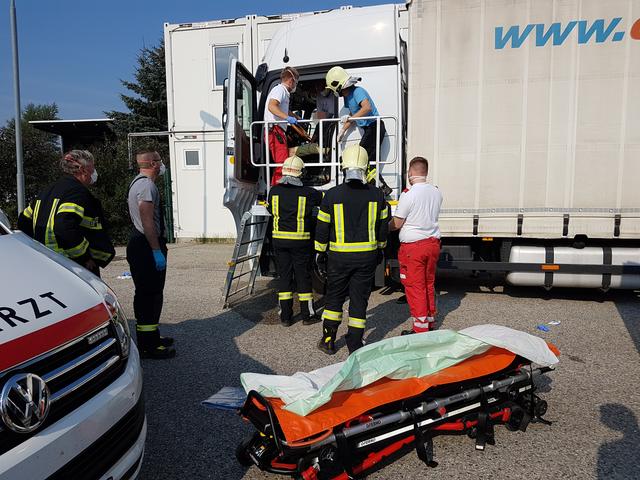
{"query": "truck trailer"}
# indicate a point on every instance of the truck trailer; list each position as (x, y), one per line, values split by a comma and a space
(525, 110)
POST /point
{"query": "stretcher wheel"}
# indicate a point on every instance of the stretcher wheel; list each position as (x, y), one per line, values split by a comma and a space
(541, 407)
(242, 455)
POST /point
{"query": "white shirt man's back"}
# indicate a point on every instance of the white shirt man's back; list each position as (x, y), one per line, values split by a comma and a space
(281, 94)
(420, 208)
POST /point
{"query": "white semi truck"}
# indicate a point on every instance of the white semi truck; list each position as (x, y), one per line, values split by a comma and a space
(527, 111)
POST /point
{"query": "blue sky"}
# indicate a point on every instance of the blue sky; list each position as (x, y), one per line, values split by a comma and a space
(74, 52)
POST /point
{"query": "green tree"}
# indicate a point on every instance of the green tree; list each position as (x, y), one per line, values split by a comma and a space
(148, 106)
(41, 152)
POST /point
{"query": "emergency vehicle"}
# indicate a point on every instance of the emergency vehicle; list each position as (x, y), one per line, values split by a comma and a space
(524, 109)
(71, 401)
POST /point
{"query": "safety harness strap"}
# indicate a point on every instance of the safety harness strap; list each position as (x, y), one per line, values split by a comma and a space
(424, 443)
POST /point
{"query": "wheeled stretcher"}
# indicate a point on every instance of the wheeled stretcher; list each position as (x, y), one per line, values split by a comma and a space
(359, 431)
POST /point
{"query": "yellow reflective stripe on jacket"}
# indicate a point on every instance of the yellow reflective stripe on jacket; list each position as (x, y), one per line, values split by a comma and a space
(35, 214)
(69, 207)
(382, 244)
(338, 214)
(371, 220)
(299, 234)
(302, 205)
(332, 315)
(49, 236)
(28, 212)
(371, 174)
(78, 250)
(320, 247)
(353, 246)
(291, 235)
(275, 210)
(99, 254)
(357, 322)
(92, 223)
(385, 213)
(324, 217)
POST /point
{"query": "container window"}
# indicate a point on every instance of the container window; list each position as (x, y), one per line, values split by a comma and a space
(221, 61)
(192, 158)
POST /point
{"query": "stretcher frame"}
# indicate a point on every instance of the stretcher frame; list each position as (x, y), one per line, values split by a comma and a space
(371, 441)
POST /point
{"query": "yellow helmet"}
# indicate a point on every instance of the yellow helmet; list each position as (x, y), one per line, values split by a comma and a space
(293, 166)
(336, 79)
(355, 157)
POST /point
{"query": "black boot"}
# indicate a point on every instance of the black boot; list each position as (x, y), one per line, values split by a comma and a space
(354, 339)
(328, 340)
(286, 312)
(307, 312)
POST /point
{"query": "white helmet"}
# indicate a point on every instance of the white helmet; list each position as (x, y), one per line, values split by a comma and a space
(292, 166)
(338, 79)
(355, 162)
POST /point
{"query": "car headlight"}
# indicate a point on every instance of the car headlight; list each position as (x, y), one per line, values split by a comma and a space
(120, 323)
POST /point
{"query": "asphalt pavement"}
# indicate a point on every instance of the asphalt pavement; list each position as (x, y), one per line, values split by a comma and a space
(594, 399)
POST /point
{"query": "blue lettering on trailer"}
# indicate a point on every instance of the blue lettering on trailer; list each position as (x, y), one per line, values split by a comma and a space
(597, 31)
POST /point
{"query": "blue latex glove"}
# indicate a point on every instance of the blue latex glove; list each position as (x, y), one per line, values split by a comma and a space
(292, 119)
(161, 261)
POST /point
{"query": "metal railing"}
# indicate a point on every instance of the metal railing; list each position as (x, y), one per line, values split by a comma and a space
(265, 126)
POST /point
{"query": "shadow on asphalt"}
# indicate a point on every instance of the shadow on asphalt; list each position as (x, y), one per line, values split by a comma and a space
(627, 306)
(194, 442)
(618, 459)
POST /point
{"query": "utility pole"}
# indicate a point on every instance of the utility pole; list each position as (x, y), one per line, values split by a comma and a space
(18, 115)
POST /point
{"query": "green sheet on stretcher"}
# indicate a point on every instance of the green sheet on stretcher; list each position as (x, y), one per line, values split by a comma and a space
(397, 358)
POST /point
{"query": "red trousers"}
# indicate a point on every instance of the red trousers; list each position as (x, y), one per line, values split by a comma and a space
(418, 261)
(278, 150)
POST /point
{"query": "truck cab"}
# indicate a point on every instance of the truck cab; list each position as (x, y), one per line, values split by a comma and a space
(71, 402)
(371, 48)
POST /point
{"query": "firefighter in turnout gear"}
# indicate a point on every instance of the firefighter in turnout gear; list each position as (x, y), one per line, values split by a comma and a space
(67, 218)
(352, 227)
(292, 205)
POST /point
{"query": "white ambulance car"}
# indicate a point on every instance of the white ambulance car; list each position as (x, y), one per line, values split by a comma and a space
(71, 403)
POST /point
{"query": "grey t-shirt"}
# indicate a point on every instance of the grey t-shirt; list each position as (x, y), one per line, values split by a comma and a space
(327, 104)
(144, 190)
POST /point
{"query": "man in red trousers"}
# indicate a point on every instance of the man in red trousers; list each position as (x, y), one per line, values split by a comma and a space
(417, 219)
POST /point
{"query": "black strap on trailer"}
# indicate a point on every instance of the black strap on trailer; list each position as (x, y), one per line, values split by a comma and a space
(345, 453)
(476, 220)
(520, 222)
(565, 225)
(607, 259)
(616, 225)
(484, 429)
(424, 443)
(548, 274)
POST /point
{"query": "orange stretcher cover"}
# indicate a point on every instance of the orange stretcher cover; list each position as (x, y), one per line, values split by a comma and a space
(346, 405)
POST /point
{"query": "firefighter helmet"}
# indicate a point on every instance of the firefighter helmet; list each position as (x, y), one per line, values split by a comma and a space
(293, 166)
(355, 157)
(338, 79)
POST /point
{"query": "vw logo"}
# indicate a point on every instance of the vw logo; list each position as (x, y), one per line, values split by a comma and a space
(24, 402)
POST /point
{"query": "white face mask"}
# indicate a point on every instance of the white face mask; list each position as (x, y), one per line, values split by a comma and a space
(163, 169)
(94, 177)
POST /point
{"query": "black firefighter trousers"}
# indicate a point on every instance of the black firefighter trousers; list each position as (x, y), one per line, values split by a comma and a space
(293, 262)
(149, 287)
(349, 275)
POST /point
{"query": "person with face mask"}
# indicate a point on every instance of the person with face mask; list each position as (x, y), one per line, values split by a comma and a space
(416, 217)
(277, 110)
(147, 256)
(67, 218)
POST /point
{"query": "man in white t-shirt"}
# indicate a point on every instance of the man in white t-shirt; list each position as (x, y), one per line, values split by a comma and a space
(277, 110)
(417, 219)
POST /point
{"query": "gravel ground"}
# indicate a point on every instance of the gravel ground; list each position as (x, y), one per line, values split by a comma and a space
(593, 395)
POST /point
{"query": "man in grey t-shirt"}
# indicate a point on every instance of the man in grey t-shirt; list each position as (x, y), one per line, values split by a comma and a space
(147, 256)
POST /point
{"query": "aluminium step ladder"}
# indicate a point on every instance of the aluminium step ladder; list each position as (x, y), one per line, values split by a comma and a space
(245, 263)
